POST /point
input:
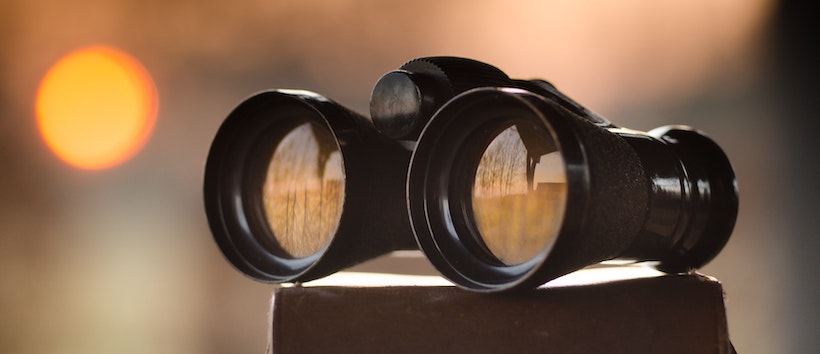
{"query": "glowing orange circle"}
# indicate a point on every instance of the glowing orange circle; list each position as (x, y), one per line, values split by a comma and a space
(96, 107)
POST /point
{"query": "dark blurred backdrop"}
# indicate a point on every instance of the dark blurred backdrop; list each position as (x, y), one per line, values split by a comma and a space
(121, 260)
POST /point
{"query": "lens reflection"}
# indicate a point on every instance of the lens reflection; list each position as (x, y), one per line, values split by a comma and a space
(304, 190)
(519, 193)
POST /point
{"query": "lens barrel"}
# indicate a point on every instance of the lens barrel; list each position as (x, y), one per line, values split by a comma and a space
(669, 196)
(298, 187)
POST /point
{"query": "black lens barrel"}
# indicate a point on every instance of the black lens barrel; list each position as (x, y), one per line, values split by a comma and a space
(668, 196)
(373, 220)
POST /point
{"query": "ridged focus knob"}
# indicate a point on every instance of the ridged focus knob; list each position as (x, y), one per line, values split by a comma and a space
(404, 100)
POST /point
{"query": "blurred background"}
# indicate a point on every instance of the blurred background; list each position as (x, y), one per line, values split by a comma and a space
(119, 259)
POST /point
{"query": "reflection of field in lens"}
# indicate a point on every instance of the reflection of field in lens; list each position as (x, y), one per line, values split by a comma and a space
(519, 193)
(303, 219)
(517, 227)
(304, 190)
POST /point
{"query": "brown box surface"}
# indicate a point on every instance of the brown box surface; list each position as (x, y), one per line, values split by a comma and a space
(664, 314)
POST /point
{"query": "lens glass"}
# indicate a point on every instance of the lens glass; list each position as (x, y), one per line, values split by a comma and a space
(519, 192)
(304, 190)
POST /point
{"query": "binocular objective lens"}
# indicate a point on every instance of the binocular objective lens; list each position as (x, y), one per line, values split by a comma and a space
(303, 190)
(519, 193)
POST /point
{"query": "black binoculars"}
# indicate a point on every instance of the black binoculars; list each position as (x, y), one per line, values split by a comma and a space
(502, 183)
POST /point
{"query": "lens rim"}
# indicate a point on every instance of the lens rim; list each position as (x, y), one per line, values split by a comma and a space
(440, 216)
(239, 155)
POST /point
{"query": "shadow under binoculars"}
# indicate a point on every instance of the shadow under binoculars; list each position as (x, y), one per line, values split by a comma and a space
(503, 184)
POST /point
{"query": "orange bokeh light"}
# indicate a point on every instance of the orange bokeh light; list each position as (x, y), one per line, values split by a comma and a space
(96, 107)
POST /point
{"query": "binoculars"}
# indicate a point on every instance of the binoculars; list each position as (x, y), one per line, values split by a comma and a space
(502, 183)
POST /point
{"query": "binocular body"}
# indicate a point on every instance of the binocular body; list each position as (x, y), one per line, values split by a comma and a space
(503, 184)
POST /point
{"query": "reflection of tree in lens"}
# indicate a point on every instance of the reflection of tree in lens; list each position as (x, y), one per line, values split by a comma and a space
(519, 195)
(304, 190)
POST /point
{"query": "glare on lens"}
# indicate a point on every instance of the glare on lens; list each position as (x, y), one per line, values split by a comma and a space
(519, 194)
(303, 190)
